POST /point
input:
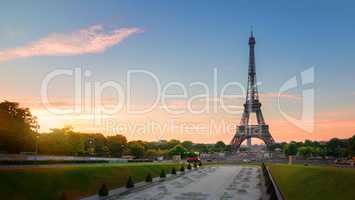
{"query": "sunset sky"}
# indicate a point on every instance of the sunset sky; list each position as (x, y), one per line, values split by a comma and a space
(187, 44)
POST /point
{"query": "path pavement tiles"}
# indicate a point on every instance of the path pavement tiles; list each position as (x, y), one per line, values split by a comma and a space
(208, 183)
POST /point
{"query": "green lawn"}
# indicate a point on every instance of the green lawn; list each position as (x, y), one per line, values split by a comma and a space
(77, 181)
(298, 182)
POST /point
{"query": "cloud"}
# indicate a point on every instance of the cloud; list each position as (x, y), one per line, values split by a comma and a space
(94, 39)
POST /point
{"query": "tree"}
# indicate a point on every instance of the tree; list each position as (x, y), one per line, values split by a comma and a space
(76, 144)
(153, 153)
(272, 147)
(187, 144)
(63, 141)
(285, 149)
(116, 144)
(290, 149)
(305, 151)
(228, 148)
(202, 148)
(172, 143)
(219, 146)
(100, 144)
(55, 142)
(308, 143)
(178, 150)
(161, 144)
(336, 147)
(191, 154)
(352, 146)
(18, 128)
(136, 149)
(323, 152)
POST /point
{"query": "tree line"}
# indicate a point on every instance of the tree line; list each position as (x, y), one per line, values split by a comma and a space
(19, 133)
(339, 148)
(65, 141)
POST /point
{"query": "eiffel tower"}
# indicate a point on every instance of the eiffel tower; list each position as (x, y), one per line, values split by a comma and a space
(245, 131)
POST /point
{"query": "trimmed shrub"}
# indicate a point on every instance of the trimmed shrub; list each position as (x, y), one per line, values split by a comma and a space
(189, 166)
(130, 183)
(103, 190)
(148, 178)
(173, 171)
(162, 174)
(182, 168)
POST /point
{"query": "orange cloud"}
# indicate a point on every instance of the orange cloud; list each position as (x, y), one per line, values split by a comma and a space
(90, 40)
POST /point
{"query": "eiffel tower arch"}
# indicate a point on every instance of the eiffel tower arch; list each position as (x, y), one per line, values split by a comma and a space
(252, 105)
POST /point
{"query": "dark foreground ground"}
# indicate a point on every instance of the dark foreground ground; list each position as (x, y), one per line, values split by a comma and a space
(35, 183)
(297, 182)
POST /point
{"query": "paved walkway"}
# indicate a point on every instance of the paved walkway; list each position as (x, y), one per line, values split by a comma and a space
(209, 183)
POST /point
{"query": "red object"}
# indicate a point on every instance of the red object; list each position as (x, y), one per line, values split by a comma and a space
(193, 159)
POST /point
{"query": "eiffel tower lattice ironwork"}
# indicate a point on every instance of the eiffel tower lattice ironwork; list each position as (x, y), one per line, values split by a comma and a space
(245, 131)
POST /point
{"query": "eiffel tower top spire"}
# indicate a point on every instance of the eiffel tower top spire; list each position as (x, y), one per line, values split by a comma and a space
(251, 38)
(252, 95)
